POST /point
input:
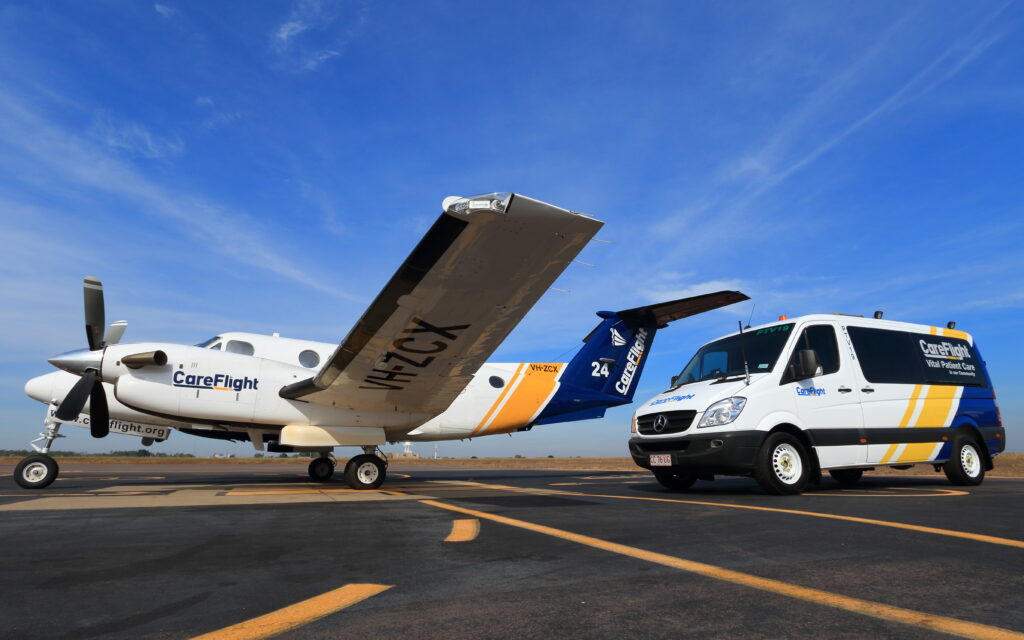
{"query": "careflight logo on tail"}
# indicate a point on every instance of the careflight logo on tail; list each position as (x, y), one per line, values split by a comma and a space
(633, 358)
(617, 339)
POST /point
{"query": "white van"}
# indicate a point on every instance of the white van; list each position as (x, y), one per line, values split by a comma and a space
(844, 394)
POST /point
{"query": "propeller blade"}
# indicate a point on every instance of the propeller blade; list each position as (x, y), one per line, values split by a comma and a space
(99, 415)
(95, 322)
(114, 332)
(72, 404)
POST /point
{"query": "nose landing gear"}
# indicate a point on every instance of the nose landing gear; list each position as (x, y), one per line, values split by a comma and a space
(39, 469)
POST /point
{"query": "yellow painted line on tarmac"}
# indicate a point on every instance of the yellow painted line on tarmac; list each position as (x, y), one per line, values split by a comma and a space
(297, 614)
(281, 492)
(889, 613)
(977, 537)
(464, 530)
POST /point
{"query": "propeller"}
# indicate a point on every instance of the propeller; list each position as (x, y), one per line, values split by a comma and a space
(87, 363)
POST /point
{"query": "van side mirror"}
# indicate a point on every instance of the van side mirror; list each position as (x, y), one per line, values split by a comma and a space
(808, 364)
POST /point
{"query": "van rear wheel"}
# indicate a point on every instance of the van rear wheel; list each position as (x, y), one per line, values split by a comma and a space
(848, 477)
(965, 467)
(675, 480)
(783, 466)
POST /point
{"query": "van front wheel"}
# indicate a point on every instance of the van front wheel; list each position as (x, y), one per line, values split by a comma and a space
(965, 466)
(675, 480)
(782, 465)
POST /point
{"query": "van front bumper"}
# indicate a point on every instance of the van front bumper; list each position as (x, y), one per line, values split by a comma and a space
(724, 452)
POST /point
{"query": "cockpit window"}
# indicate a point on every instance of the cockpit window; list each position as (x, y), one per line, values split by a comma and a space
(239, 346)
(216, 347)
(206, 343)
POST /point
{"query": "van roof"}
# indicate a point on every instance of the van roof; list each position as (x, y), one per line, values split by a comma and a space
(861, 321)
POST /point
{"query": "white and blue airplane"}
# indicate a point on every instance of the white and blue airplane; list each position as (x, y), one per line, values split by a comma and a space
(412, 368)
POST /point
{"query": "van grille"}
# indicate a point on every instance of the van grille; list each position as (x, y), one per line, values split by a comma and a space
(674, 422)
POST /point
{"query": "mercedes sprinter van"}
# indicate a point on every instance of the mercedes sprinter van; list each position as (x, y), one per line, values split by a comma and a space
(844, 394)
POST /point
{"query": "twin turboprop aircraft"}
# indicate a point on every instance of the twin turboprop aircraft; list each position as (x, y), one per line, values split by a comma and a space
(412, 368)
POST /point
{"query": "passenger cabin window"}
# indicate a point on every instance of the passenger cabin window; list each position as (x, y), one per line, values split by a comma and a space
(822, 339)
(239, 346)
(309, 358)
(902, 357)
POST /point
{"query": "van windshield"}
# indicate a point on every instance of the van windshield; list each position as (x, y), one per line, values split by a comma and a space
(724, 358)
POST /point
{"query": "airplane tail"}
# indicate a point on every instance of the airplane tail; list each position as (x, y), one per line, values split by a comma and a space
(606, 370)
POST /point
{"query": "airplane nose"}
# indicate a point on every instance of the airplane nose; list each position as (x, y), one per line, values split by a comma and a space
(78, 361)
(40, 388)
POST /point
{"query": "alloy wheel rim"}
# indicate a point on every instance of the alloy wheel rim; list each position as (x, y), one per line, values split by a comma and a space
(34, 472)
(970, 460)
(367, 473)
(787, 463)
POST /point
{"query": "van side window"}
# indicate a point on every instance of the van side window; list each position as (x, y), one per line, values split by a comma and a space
(821, 338)
(902, 357)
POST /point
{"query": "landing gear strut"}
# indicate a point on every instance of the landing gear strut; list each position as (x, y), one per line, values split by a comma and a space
(39, 469)
(366, 471)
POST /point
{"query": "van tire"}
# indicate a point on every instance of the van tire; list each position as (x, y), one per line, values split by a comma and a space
(675, 480)
(846, 477)
(966, 466)
(783, 466)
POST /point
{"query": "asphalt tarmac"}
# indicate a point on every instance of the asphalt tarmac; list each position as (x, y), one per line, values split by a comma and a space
(246, 551)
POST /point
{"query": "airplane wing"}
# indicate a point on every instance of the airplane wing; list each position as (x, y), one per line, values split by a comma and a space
(466, 285)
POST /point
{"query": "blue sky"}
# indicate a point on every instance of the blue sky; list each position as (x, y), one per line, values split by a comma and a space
(265, 166)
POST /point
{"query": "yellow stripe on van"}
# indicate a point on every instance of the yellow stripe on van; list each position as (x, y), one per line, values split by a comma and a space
(935, 412)
(956, 333)
(911, 405)
(526, 401)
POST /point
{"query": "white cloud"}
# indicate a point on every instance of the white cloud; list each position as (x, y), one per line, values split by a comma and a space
(315, 32)
(134, 139)
(164, 10)
(204, 101)
(72, 160)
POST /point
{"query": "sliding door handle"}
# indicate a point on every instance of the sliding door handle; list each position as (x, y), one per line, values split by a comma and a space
(867, 390)
(844, 389)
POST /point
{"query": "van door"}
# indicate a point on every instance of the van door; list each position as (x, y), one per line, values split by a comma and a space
(828, 403)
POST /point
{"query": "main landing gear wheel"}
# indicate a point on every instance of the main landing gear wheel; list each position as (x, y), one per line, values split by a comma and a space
(675, 480)
(966, 466)
(321, 469)
(783, 466)
(36, 471)
(366, 471)
(847, 477)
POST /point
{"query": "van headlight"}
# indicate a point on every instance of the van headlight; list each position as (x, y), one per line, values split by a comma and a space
(722, 412)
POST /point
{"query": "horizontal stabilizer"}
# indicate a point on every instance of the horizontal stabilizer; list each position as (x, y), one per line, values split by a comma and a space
(659, 315)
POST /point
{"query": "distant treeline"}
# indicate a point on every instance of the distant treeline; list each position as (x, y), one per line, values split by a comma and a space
(140, 453)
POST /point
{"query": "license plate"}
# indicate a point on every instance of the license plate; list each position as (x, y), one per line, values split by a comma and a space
(661, 460)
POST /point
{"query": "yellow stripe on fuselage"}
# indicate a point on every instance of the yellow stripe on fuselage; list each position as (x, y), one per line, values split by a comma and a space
(501, 396)
(527, 400)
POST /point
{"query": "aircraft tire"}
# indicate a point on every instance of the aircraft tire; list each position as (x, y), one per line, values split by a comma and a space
(846, 477)
(321, 469)
(365, 472)
(965, 467)
(675, 480)
(36, 471)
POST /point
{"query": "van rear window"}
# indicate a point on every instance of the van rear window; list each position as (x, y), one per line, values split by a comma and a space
(902, 357)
